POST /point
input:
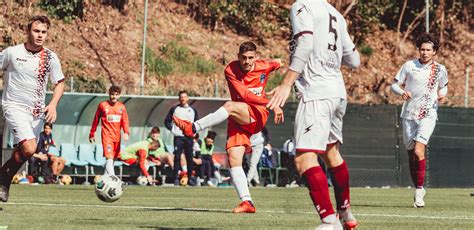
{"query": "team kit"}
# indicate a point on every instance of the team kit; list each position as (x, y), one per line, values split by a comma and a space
(323, 46)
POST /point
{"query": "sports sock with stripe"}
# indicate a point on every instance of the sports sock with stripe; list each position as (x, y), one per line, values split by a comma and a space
(319, 191)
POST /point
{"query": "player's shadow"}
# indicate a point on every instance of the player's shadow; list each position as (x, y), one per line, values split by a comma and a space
(186, 210)
(381, 206)
(166, 228)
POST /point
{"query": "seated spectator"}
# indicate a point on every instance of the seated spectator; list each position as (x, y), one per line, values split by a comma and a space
(44, 163)
(161, 154)
(137, 153)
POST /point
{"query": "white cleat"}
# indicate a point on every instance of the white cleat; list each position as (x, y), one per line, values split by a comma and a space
(418, 198)
(330, 226)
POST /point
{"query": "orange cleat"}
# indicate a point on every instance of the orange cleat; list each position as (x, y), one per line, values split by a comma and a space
(245, 207)
(185, 126)
(349, 225)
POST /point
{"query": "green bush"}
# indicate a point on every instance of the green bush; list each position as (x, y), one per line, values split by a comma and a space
(63, 9)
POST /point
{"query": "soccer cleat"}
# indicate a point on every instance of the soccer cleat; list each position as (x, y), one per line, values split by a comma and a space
(330, 226)
(418, 198)
(4, 190)
(348, 220)
(472, 193)
(185, 126)
(245, 207)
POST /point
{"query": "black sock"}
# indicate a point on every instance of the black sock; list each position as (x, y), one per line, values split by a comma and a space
(9, 169)
(194, 128)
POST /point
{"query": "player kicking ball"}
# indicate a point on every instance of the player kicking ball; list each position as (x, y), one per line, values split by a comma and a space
(246, 78)
(425, 86)
(138, 153)
(27, 68)
(113, 115)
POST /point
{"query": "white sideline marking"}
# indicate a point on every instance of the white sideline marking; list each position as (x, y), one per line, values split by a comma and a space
(229, 210)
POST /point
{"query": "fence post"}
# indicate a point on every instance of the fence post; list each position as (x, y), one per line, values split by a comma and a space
(466, 88)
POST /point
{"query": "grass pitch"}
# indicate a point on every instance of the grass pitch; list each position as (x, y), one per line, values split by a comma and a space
(76, 207)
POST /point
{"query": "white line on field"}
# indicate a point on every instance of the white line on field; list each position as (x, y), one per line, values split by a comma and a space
(228, 210)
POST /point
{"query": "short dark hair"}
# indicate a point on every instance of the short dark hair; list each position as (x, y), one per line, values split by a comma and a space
(40, 18)
(183, 91)
(427, 38)
(48, 124)
(115, 89)
(155, 130)
(247, 46)
(211, 135)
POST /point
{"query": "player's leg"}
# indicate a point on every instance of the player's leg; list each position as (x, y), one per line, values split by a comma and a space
(21, 154)
(410, 128)
(188, 153)
(425, 129)
(238, 111)
(109, 154)
(239, 179)
(179, 148)
(252, 174)
(312, 129)
(61, 164)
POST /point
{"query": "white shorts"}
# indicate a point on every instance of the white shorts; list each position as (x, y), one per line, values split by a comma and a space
(418, 130)
(318, 123)
(22, 123)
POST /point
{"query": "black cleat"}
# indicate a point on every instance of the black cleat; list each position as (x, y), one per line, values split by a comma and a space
(4, 190)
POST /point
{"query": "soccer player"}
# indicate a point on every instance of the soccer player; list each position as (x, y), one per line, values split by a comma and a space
(246, 78)
(322, 45)
(181, 142)
(27, 67)
(137, 153)
(113, 115)
(425, 86)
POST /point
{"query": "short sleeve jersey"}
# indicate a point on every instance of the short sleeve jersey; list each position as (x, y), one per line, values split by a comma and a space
(321, 77)
(423, 81)
(113, 118)
(26, 76)
(249, 87)
(131, 150)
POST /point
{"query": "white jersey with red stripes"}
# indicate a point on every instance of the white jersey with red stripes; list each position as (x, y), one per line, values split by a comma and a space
(321, 77)
(423, 81)
(26, 76)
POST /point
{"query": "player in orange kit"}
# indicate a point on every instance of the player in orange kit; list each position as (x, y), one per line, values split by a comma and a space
(114, 117)
(248, 115)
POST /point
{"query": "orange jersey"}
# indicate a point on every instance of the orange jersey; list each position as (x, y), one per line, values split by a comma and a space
(249, 87)
(114, 118)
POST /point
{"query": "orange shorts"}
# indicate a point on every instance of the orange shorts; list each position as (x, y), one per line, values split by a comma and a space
(111, 149)
(239, 135)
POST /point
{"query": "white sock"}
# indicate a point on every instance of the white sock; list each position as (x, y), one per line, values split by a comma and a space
(109, 167)
(240, 183)
(211, 119)
(185, 168)
(218, 176)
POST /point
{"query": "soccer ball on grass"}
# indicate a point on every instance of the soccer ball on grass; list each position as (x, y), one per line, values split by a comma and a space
(108, 188)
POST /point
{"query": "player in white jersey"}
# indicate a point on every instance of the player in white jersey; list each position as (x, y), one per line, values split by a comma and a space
(322, 46)
(425, 85)
(27, 68)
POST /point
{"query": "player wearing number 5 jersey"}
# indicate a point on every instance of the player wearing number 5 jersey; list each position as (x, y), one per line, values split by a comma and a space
(322, 46)
(248, 115)
(113, 116)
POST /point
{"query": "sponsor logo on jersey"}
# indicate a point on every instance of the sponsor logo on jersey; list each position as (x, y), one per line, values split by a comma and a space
(114, 118)
(22, 60)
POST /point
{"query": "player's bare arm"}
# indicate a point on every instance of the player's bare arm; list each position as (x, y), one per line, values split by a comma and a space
(281, 93)
(50, 110)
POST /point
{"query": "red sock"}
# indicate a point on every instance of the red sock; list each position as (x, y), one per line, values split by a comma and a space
(420, 173)
(340, 181)
(413, 166)
(319, 191)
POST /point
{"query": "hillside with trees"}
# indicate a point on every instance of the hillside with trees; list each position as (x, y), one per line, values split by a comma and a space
(190, 41)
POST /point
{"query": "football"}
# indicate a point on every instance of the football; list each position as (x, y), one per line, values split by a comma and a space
(66, 179)
(141, 180)
(108, 188)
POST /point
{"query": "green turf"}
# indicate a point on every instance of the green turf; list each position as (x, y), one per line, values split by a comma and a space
(76, 207)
